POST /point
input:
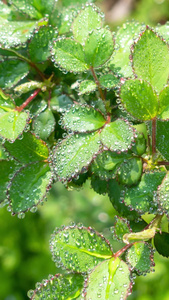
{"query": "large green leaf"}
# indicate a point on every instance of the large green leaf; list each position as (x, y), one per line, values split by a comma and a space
(8, 169)
(163, 193)
(28, 149)
(140, 257)
(117, 136)
(11, 72)
(151, 59)
(83, 118)
(12, 123)
(99, 47)
(40, 44)
(78, 248)
(161, 242)
(87, 20)
(109, 280)
(74, 154)
(29, 186)
(69, 55)
(67, 286)
(16, 32)
(164, 104)
(120, 61)
(140, 197)
(139, 99)
(162, 138)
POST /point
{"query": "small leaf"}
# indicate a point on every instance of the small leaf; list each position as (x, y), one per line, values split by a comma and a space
(74, 154)
(20, 32)
(98, 47)
(139, 148)
(83, 118)
(106, 164)
(120, 227)
(29, 186)
(87, 20)
(115, 192)
(109, 280)
(163, 30)
(130, 171)
(140, 257)
(28, 87)
(44, 124)
(68, 285)
(161, 242)
(108, 81)
(28, 149)
(151, 59)
(162, 195)
(60, 102)
(62, 19)
(79, 248)
(140, 197)
(87, 86)
(139, 99)
(98, 185)
(120, 61)
(11, 72)
(69, 55)
(163, 104)
(8, 169)
(40, 44)
(12, 123)
(117, 136)
(162, 138)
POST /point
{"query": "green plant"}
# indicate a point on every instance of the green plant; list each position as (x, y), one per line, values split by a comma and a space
(77, 103)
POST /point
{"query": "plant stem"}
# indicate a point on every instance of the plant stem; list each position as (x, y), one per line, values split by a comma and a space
(154, 137)
(122, 250)
(20, 108)
(98, 83)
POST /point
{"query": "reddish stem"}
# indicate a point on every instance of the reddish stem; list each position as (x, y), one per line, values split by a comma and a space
(21, 107)
(122, 250)
(98, 83)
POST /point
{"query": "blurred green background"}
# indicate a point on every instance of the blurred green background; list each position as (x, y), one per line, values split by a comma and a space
(24, 244)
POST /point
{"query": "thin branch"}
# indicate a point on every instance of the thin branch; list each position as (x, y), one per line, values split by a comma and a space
(122, 250)
(23, 105)
(98, 83)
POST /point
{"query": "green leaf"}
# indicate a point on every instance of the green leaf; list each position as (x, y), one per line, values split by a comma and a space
(139, 148)
(130, 171)
(12, 123)
(76, 2)
(78, 248)
(109, 280)
(117, 136)
(62, 19)
(109, 81)
(139, 99)
(151, 59)
(87, 20)
(164, 104)
(60, 102)
(99, 47)
(163, 30)
(162, 138)
(69, 55)
(120, 228)
(161, 243)
(8, 169)
(162, 195)
(28, 87)
(115, 192)
(11, 72)
(87, 86)
(106, 164)
(98, 185)
(83, 118)
(140, 257)
(74, 154)
(40, 44)
(68, 286)
(28, 149)
(44, 124)
(37, 106)
(20, 32)
(5, 10)
(29, 186)
(35, 9)
(140, 197)
(120, 61)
